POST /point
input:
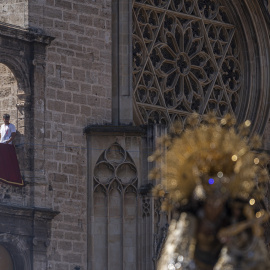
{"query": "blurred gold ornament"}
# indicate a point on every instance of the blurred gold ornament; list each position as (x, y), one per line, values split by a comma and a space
(213, 177)
(214, 148)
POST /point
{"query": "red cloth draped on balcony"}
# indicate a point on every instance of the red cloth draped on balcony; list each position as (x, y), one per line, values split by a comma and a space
(9, 166)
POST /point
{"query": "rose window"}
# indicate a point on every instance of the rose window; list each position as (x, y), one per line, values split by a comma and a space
(185, 60)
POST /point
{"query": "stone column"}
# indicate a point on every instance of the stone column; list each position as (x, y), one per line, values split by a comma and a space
(122, 91)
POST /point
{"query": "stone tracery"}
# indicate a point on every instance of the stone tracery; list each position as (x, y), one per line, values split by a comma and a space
(185, 59)
(115, 202)
(115, 169)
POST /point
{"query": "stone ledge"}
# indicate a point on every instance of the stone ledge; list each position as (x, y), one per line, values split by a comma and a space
(123, 130)
(27, 212)
(29, 35)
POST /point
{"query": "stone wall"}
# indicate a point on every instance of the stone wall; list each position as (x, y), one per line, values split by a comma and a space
(14, 12)
(8, 93)
(78, 92)
(267, 4)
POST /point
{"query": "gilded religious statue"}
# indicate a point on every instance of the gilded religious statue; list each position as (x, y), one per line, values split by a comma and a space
(214, 180)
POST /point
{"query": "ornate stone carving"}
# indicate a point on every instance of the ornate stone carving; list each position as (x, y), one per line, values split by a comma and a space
(21, 242)
(115, 169)
(115, 209)
(146, 206)
(12, 194)
(161, 228)
(185, 59)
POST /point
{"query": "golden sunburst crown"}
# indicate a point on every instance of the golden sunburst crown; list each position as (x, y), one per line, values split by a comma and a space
(210, 156)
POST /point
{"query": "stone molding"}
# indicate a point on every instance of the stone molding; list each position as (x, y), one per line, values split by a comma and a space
(267, 5)
(130, 130)
(25, 229)
(29, 35)
(255, 22)
(122, 111)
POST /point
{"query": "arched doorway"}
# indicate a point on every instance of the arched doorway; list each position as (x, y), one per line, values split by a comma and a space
(6, 262)
(10, 103)
(8, 93)
(10, 99)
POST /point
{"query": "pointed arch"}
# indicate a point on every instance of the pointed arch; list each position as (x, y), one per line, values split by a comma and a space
(115, 193)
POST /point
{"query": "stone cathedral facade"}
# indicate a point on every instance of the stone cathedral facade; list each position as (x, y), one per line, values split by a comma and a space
(90, 85)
